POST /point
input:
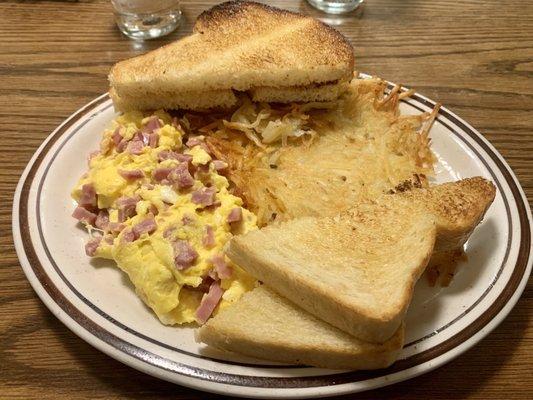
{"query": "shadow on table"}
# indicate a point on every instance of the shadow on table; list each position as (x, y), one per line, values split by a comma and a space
(458, 379)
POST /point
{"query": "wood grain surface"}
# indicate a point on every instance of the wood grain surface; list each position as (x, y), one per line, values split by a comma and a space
(474, 56)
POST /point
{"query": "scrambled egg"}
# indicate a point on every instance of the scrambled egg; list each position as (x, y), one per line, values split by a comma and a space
(126, 190)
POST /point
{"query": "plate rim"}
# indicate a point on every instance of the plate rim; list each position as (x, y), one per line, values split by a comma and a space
(507, 304)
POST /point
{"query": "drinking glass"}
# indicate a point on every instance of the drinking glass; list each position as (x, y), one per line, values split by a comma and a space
(336, 6)
(146, 19)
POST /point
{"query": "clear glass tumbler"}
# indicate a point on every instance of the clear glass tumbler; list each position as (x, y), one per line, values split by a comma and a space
(336, 6)
(147, 19)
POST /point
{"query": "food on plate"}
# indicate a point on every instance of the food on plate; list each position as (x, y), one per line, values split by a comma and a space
(237, 46)
(269, 127)
(458, 207)
(262, 323)
(157, 203)
(356, 270)
(342, 152)
(267, 326)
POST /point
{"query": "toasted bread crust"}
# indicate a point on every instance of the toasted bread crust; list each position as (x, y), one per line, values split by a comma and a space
(236, 13)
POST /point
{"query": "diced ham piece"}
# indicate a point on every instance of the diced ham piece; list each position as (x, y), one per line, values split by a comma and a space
(183, 157)
(88, 196)
(161, 173)
(194, 141)
(187, 219)
(122, 146)
(128, 236)
(204, 196)
(135, 147)
(169, 231)
(153, 140)
(102, 220)
(131, 174)
(184, 254)
(84, 215)
(92, 245)
(126, 207)
(117, 137)
(167, 155)
(209, 303)
(172, 155)
(219, 165)
(141, 137)
(223, 270)
(209, 238)
(152, 125)
(115, 226)
(235, 215)
(181, 176)
(126, 201)
(146, 226)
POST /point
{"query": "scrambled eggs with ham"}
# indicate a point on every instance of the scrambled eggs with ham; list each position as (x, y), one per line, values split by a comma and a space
(156, 202)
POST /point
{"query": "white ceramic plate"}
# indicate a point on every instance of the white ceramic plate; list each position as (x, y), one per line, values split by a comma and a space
(96, 301)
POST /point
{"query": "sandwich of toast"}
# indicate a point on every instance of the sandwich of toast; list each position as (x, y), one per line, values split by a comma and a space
(237, 46)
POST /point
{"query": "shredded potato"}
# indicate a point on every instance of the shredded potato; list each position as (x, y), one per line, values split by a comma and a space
(294, 160)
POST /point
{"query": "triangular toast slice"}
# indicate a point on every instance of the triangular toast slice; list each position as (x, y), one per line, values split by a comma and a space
(234, 46)
(458, 207)
(355, 271)
(264, 325)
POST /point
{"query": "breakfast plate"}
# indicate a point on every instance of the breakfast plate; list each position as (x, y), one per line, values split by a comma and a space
(96, 301)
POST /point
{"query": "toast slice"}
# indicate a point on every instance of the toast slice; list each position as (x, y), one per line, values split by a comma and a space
(264, 325)
(355, 271)
(458, 207)
(238, 45)
(212, 99)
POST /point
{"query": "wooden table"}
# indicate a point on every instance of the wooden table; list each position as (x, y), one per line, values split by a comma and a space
(474, 56)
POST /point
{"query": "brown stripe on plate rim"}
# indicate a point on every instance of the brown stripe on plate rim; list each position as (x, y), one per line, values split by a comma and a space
(274, 382)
